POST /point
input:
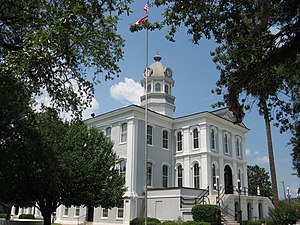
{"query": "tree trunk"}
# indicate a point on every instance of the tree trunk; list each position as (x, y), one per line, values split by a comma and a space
(270, 150)
(47, 217)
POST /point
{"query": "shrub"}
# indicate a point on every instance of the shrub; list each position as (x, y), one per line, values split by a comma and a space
(203, 223)
(26, 216)
(2, 208)
(205, 213)
(285, 214)
(141, 221)
(189, 223)
(2, 215)
(169, 223)
(256, 222)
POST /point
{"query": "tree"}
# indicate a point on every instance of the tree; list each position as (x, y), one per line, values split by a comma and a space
(48, 44)
(259, 177)
(285, 214)
(45, 46)
(258, 42)
(296, 148)
(61, 163)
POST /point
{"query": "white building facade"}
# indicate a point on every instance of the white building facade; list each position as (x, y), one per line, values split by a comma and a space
(194, 159)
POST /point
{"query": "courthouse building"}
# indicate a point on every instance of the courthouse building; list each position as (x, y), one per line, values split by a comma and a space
(193, 159)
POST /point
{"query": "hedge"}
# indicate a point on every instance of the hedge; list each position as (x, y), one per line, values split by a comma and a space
(141, 221)
(26, 216)
(205, 213)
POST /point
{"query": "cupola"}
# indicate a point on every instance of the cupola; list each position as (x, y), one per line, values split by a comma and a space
(159, 88)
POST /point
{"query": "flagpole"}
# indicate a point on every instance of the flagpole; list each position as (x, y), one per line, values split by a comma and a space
(146, 128)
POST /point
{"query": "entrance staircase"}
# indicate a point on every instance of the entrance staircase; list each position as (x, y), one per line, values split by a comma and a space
(226, 220)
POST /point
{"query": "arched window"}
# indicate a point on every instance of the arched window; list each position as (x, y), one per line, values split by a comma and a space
(122, 165)
(226, 143)
(149, 88)
(213, 139)
(66, 211)
(124, 133)
(238, 147)
(214, 176)
(165, 139)
(260, 211)
(149, 174)
(166, 89)
(149, 135)
(165, 176)
(157, 87)
(179, 176)
(195, 138)
(249, 211)
(196, 176)
(77, 211)
(108, 133)
(179, 141)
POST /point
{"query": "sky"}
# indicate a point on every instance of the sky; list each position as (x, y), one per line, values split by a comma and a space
(195, 76)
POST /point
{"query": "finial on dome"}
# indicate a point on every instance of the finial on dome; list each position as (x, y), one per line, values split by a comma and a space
(157, 58)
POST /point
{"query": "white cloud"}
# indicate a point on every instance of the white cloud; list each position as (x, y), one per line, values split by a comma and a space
(128, 92)
(248, 151)
(256, 152)
(45, 99)
(262, 160)
(94, 106)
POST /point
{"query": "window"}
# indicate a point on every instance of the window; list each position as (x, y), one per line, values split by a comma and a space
(149, 174)
(120, 213)
(179, 141)
(66, 211)
(123, 168)
(179, 176)
(124, 133)
(149, 135)
(166, 89)
(196, 138)
(214, 176)
(196, 176)
(149, 88)
(108, 133)
(165, 139)
(104, 212)
(238, 147)
(226, 144)
(213, 139)
(77, 210)
(165, 171)
(157, 87)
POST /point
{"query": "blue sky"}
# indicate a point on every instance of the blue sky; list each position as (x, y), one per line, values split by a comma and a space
(195, 76)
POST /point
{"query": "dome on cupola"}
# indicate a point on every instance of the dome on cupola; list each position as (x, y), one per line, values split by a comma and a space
(159, 69)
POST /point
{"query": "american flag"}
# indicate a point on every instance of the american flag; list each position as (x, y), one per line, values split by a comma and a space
(146, 7)
(142, 20)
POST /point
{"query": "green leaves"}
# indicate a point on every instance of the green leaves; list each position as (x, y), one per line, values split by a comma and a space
(258, 177)
(48, 44)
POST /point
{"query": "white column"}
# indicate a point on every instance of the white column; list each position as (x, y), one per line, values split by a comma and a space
(186, 172)
(205, 172)
(235, 173)
(245, 177)
(130, 161)
(221, 172)
(186, 139)
(130, 201)
(204, 138)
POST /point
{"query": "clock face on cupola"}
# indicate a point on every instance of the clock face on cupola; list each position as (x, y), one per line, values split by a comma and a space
(168, 72)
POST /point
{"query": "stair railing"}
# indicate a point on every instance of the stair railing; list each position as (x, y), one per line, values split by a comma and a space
(200, 199)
